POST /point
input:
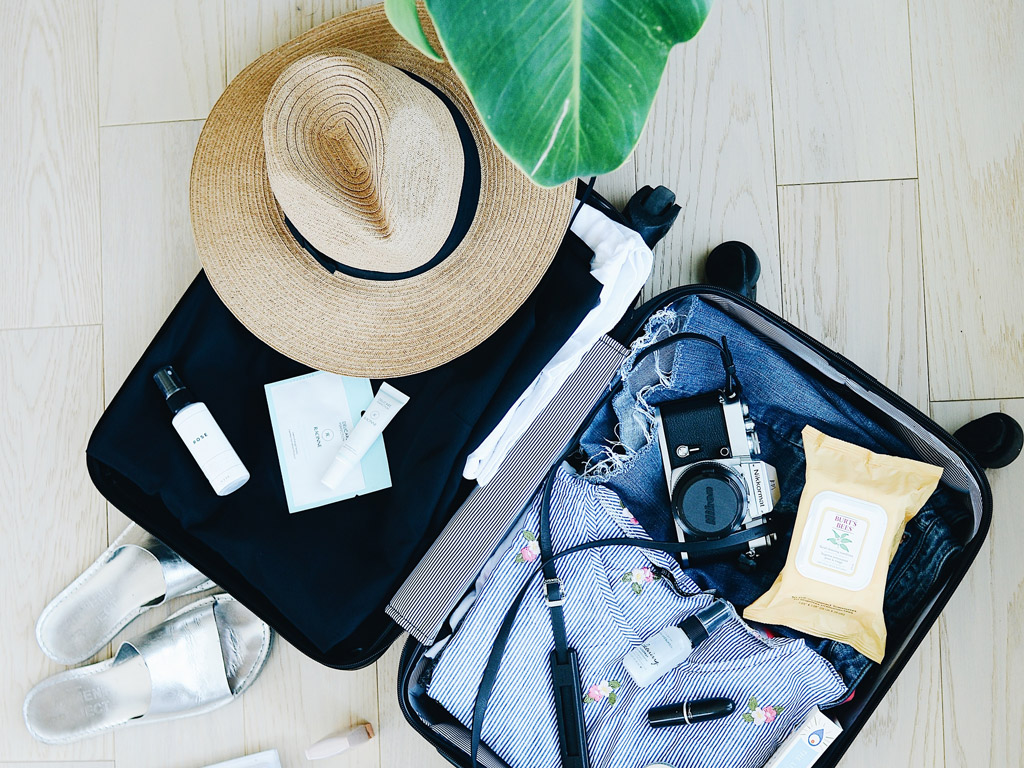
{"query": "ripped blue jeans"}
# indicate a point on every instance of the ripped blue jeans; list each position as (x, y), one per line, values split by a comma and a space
(623, 454)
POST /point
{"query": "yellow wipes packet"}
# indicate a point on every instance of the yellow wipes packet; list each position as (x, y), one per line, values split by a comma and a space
(853, 509)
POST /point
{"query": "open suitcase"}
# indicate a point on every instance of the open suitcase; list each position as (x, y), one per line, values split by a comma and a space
(461, 534)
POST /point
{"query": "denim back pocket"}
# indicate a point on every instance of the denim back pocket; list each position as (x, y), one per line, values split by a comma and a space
(920, 563)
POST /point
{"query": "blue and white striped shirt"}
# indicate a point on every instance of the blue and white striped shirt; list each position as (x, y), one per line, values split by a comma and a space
(614, 601)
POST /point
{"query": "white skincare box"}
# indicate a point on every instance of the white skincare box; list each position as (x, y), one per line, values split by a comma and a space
(806, 743)
(312, 415)
(268, 759)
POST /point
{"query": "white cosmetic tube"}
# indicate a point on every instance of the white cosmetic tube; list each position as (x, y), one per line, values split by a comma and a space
(378, 415)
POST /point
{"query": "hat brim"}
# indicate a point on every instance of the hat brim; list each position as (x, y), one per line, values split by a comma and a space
(336, 322)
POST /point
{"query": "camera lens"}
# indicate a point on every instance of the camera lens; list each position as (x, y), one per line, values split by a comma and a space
(708, 501)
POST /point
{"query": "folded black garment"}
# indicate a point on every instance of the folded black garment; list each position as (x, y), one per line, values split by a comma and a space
(323, 576)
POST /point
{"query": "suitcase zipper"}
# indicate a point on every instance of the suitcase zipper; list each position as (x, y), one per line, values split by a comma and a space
(439, 743)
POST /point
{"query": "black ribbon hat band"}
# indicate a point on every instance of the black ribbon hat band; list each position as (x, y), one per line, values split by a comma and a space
(466, 212)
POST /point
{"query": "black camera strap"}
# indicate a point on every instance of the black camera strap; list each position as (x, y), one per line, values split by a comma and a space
(572, 737)
(732, 386)
(565, 676)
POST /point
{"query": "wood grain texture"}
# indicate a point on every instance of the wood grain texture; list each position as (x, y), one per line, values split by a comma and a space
(848, 269)
(968, 72)
(842, 90)
(983, 625)
(53, 522)
(851, 275)
(851, 263)
(297, 702)
(194, 741)
(49, 220)
(709, 139)
(149, 260)
(254, 27)
(159, 60)
(906, 729)
(399, 743)
(149, 256)
(619, 185)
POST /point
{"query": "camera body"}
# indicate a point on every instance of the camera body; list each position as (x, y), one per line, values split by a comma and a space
(716, 482)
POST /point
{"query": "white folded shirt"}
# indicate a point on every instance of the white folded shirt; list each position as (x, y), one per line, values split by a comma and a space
(622, 263)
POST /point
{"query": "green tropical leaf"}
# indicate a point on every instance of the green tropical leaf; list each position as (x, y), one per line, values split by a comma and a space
(406, 21)
(748, 717)
(637, 588)
(520, 558)
(627, 576)
(588, 700)
(529, 536)
(614, 683)
(778, 710)
(611, 698)
(752, 703)
(564, 86)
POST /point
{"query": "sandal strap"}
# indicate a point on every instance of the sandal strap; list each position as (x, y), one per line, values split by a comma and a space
(180, 576)
(185, 661)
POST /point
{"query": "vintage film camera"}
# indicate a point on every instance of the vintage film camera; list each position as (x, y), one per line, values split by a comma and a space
(716, 482)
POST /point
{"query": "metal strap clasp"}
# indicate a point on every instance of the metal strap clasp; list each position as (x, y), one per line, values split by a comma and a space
(553, 595)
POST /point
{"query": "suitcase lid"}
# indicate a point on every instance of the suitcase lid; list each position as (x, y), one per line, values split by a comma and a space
(321, 577)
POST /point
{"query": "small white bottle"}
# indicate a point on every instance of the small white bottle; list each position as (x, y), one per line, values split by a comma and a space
(659, 655)
(201, 434)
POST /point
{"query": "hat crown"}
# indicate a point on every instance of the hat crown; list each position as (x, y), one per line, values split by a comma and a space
(364, 161)
(353, 167)
(506, 232)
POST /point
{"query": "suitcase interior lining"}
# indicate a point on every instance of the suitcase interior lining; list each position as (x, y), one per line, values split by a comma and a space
(904, 425)
(930, 449)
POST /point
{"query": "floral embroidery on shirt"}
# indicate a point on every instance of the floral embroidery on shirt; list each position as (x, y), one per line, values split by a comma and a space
(603, 690)
(531, 550)
(761, 715)
(629, 515)
(638, 577)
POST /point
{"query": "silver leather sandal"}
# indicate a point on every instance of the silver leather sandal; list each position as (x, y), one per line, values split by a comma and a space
(136, 573)
(201, 658)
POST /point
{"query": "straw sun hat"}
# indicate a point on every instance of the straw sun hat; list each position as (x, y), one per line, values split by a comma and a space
(351, 211)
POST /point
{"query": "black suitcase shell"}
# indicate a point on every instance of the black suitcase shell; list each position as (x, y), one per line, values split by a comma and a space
(918, 428)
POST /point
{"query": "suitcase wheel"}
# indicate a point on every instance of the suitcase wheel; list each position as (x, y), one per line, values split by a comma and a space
(994, 439)
(735, 267)
(651, 213)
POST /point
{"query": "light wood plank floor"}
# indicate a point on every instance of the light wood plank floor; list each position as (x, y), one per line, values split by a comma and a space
(871, 152)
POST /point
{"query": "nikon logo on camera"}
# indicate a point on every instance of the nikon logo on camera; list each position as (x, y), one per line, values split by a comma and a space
(709, 507)
(758, 478)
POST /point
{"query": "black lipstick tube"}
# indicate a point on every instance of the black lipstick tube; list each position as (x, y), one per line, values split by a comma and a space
(688, 712)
